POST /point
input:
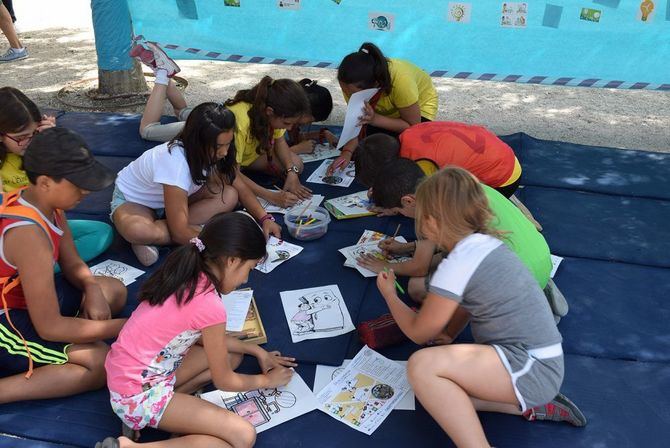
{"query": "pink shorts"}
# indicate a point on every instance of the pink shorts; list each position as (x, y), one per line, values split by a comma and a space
(146, 408)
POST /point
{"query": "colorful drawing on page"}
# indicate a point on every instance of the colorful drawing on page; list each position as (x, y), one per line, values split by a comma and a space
(235, 3)
(340, 178)
(459, 12)
(316, 313)
(353, 253)
(115, 269)
(267, 408)
(381, 21)
(646, 13)
(278, 251)
(350, 206)
(590, 15)
(326, 374)
(315, 201)
(514, 15)
(321, 152)
(365, 392)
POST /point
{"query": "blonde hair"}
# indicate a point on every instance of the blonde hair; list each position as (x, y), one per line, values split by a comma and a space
(457, 202)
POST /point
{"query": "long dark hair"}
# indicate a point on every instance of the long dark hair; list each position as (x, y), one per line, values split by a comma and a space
(286, 98)
(367, 68)
(17, 112)
(201, 130)
(225, 235)
(319, 97)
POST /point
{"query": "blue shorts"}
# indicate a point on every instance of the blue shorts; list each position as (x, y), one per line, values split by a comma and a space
(13, 355)
(119, 199)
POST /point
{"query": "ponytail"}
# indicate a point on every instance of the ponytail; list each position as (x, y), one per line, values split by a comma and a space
(286, 98)
(225, 235)
(366, 69)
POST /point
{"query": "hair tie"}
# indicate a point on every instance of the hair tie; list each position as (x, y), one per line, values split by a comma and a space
(197, 242)
(364, 50)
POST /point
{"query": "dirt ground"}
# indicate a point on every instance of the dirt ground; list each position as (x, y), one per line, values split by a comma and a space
(62, 51)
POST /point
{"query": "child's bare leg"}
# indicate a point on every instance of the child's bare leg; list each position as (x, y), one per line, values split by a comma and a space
(114, 292)
(204, 204)
(194, 371)
(154, 108)
(137, 224)
(207, 425)
(416, 289)
(84, 371)
(445, 378)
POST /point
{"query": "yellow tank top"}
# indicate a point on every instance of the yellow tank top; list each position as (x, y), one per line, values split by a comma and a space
(12, 174)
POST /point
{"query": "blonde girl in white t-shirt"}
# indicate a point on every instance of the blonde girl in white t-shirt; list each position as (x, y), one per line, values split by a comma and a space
(170, 191)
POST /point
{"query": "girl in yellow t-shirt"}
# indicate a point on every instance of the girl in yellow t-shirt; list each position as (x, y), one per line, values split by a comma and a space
(262, 116)
(406, 93)
(20, 121)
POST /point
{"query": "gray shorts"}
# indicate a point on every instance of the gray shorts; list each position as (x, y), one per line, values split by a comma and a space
(536, 374)
(157, 132)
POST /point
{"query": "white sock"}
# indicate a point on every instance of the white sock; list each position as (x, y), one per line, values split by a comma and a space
(18, 50)
(161, 76)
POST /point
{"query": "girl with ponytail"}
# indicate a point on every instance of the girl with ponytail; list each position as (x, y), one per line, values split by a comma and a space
(406, 93)
(175, 341)
(263, 114)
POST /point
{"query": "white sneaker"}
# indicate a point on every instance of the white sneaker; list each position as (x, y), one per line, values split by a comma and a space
(162, 60)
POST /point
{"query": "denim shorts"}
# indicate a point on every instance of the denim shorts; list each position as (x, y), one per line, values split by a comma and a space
(119, 199)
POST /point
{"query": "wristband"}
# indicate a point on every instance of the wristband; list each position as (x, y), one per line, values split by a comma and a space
(266, 218)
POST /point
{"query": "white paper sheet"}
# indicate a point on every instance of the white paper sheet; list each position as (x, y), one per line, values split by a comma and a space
(371, 236)
(115, 269)
(325, 374)
(366, 391)
(352, 204)
(321, 152)
(237, 307)
(315, 200)
(316, 313)
(278, 252)
(267, 408)
(355, 109)
(340, 178)
(352, 253)
(555, 262)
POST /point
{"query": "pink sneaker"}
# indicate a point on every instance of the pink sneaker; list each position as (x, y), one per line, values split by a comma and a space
(162, 60)
(143, 55)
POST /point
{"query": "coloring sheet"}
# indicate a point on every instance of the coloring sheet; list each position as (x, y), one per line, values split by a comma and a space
(325, 374)
(321, 152)
(351, 127)
(352, 253)
(316, 313)
(340, 178)
(267, 408)
(237, 307)
(555, 262)
(115, 269)
(371, 236)
(288, 4)
(315, 200)
(365, 392)
(352, 204)
(278, 251)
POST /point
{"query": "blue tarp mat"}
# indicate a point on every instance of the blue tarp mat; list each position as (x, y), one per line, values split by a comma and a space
(618, 310)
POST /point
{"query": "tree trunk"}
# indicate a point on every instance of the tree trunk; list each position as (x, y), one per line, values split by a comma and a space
(119, 82)
(118, 73)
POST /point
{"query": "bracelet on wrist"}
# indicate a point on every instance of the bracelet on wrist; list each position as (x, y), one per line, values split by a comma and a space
(266, 217)
(349, 151)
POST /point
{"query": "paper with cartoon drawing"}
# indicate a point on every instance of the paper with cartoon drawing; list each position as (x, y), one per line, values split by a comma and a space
(316, 313)
(278, 251)
(340, 178)
(314, 201)
(365, 392)
(321, 152)
(352, 253)
(120, 271)
(267, 408)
